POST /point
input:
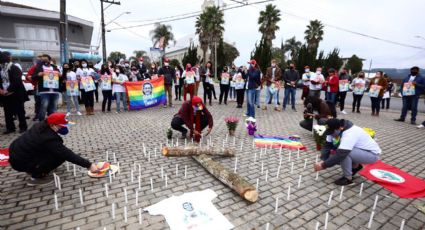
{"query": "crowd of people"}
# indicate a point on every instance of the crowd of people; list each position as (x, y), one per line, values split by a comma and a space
(78, 82)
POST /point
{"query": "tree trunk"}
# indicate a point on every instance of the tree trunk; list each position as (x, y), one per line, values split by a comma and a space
(232, 180)
(196, 151)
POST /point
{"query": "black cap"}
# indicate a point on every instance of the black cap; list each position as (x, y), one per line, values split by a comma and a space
(332, 125)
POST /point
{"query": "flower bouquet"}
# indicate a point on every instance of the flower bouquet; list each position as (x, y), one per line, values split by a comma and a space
(319, 137)
(231, 123)
(370, 131)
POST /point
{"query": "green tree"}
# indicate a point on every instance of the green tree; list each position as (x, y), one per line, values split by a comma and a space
(115, 56)
(210, 28)
(160, 32)
(304, 58)
(293, 46)
(174, 62)
(268, 21)
(138, 54)
(313, 35)
(191, 56)
(333, 60)
(355, 64)
(262, 54)
(226, 54)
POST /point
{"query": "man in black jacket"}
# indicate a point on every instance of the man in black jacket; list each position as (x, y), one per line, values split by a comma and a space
(40, 150)
(169, 77)
(142, 69)
(290, 78)
(12, 93)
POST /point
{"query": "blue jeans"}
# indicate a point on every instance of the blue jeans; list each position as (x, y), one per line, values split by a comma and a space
(269, 96)
(250, 93)
(69, 101)
(49, 104)
(331, 97)
(257, 97)
(119, 96)
(290, 91)
(410, 102)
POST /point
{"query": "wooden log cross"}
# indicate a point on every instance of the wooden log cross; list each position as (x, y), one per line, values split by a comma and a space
(226, 176)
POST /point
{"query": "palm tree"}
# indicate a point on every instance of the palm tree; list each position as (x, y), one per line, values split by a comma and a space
(313, 35)
(210, 28)
(268, 23)
(293, 46)
(162, 32)
(138, 54)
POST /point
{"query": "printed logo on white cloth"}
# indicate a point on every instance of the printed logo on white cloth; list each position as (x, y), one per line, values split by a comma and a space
(387, 176)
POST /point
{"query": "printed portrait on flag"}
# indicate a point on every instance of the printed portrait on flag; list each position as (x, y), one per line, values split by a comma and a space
(145, 94)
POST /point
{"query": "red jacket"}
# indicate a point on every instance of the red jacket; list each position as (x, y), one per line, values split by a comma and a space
(29, 76)
(333, 83)
(186, 113)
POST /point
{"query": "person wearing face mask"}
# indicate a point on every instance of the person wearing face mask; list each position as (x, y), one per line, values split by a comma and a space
(344, 83)
(353, 147)
(37, 101)
(118, 81)
(232, 92)
(69, 77)
(195, 116)
(272, 79)
(290, 77)
(224, 85)
(141, 67)
(188, 77)
(316, 81)
(380, 84)
(358, 86)
(306, 82)
(332, 85)
(178, 83)
(316, 108)
(207, 76)
(134, 74)
(87, 75)
(169, 77)
(12, 94)
(106, 75)
(152, 73)
(253, 77)
(49, 93)
(40, 150)
(96, 77)
(411, 89)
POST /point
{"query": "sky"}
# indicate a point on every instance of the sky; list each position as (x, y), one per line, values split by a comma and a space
(398, 21)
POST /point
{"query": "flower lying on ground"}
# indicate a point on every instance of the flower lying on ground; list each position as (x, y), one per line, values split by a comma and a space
(319, 129)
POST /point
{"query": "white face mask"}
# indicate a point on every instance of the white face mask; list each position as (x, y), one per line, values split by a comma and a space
(84, 65)
(141, 63)
(307, 70)
(117, 71)
(166, 64)
(273, 65)
(319, 72)
(126, 65)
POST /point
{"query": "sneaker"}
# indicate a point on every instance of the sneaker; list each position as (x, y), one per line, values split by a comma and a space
(40, 181)
(343, 181)
(356, 170)
(79, 113)
(68, 113)
(420, 126)
(343, 112)
(401, 120)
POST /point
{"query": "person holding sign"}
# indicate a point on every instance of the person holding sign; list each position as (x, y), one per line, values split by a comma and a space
(239, 79)
(316, 81)
(47, 76)
(188, 77)
(358, 85)
(169, 77)
(344, 85)
(86, 75)
(106, 86)
(376, 91)
(118, 87)
(178, 82)
(411, 88)
(70, 79)
(224, 79)
(272, 78)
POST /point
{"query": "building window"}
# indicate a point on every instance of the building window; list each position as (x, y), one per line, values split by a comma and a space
(37, 37)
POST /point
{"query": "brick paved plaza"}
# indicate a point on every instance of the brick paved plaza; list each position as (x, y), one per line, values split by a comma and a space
(125, 135)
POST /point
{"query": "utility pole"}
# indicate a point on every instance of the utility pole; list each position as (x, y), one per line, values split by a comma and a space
(63, 32)
(102, 19)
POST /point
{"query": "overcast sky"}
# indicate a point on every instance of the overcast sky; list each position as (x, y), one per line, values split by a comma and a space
(395, 20)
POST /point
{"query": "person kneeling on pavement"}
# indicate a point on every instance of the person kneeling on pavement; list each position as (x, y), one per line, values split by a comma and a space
(352, 147)
(313, 105)
(195, 115)
(40, 150)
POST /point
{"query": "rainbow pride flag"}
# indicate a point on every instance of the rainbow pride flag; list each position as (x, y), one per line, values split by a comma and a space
(292, 143)
(145, 94)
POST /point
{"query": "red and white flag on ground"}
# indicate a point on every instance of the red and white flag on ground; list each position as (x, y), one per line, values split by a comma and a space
(392, 178)
(4, 157)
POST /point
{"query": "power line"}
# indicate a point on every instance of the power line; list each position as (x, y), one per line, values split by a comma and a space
(190, 16)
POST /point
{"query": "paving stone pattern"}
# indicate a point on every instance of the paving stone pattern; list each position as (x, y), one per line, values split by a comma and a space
(125, 134)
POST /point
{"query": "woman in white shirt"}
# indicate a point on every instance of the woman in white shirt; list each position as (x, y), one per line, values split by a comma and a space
(71, 93)
(358, 86)
(86, 77)
(118, 87)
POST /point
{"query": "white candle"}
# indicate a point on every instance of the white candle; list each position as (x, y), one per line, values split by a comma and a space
(140, 169)
(138, 179)
(151, 185)
(125, 195)
(55, 179)
(56, 202)
(131, 176)
(144, 149)
(234, 141)
(317, 158)
(107, 156)
(330, 197)
(149, 156)
(317, 175)
(267, 226)
(227, 136)
(402, 224)
(74, 171)
(106, 191)
(278, 172)
(115, 158)
(342, 191)
(185, 171)
(177, 142)
(255, 156)
(280, 150)
(136, 196)
(305, 163)
(299, 181)
(241, 146)
(81, 196)
(140, 216)
(67, 166)
(317, 225)
(177, 170)
(253, 143)
(375, 203)
(298, 154)
(113, 211)
(289, 193)
(166, 181)
(289, 156)
(125, 214)
(236, 165)
(134, 166)
(262, 167)
(276, 205)
(369, 225)
(110, 177)
(119, 171)
(267, 174)
(292, 167)
(154, 152)
(326, 220)
(361, 190)
(256, 186)
(223, 144)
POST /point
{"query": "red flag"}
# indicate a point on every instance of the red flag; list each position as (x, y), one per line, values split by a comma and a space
(4, 157)
(392, 178)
